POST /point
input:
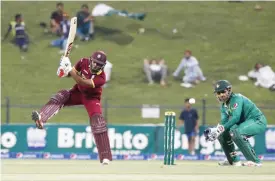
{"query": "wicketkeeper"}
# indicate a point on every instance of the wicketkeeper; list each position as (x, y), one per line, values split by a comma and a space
(240, 119)
(89, 77)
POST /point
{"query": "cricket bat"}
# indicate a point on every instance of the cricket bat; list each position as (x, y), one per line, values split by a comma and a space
(70, 41)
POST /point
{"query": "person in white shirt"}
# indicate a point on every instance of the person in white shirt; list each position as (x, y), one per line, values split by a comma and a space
(192, 70)
(264, 76)
(155, 71)
(108, 70)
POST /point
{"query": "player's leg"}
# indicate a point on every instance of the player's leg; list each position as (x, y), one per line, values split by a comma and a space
(229, 150)
(163, 74)
(57, 43)
(99, 129)
(192, 143)
(56, 102)
(241, 134)
(147, 71)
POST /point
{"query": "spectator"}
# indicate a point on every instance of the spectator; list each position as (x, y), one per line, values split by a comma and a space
(156, 71)
(193, 73)
(108, 70)
(264, 76)
(85, 25)
(56, 18)
(189, 118)
(20, 37)
(65, 29)
(105, 10)
(255, 72)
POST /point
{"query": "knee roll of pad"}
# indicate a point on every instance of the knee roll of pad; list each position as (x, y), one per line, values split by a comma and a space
(98, 124)
(62, 96)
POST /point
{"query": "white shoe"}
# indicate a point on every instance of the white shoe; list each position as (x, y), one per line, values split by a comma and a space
(251, 164)
(226, 163)
(105, 161)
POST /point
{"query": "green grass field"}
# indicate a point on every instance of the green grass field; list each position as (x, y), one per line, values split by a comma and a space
(51, 170)
(227, 38)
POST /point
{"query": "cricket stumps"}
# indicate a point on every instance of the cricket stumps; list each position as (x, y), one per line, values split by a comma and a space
(169, 137)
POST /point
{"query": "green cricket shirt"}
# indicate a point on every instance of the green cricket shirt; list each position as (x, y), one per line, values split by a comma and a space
(237, 110)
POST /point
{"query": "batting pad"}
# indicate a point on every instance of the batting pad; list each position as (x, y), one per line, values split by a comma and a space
(244, 146)
(228, 147)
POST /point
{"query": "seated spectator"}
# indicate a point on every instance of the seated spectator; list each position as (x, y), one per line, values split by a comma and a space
(65, 29)
(20, 37)
(105, 10)
(56, 18)
(85, 25)
(156, 71)
(255, 72)
(264, 76)
(192, 70)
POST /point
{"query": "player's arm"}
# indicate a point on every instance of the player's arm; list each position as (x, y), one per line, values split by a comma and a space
(181, 120)
(224, 116)
(197, 121)
(8, 32)
(79, 80)
(236, 114)
(53, 16)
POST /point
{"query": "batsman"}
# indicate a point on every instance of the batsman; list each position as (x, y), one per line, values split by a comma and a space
(89, 77)
(240, 119)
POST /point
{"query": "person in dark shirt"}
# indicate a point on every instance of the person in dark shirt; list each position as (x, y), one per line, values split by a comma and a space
(84, 23)
(56, 18)
(65, 29)
(20, 37)
(189, 117)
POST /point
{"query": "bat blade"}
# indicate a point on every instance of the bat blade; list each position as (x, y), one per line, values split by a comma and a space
(71, 37)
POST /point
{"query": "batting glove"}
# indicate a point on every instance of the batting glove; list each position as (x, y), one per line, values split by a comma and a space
(64, 67)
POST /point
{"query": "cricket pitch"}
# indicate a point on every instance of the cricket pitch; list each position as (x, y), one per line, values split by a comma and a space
(78, 170)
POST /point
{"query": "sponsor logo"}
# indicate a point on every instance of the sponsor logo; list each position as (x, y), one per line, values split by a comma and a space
(180, 157)
(207, 157)
(126, 141)
(153, 156)
(19, 155)
(5, 155)
(46, 155)
(73, 156)
(69, 49)
(8, 140)
(270, 141)
(133, 157)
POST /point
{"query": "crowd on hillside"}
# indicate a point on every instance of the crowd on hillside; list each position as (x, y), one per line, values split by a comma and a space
(155, 70)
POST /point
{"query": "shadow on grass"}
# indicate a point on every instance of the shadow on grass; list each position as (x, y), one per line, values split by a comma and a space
(114, 35)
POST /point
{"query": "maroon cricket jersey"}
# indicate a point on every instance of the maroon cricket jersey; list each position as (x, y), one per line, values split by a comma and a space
(83, 67)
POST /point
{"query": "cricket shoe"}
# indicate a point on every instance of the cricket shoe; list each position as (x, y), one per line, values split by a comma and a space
(105, 161)
(252, 164)
(226, 163)
(36, 117)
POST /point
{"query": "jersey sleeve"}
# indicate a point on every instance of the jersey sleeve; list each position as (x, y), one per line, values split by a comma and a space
(77, 66)
(98, 81)
(236, 106)
(224, 116)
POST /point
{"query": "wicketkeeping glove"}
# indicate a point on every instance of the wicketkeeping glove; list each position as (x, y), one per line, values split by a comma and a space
(211, 134)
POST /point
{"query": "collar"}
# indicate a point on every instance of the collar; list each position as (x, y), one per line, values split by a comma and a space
(99, 72)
